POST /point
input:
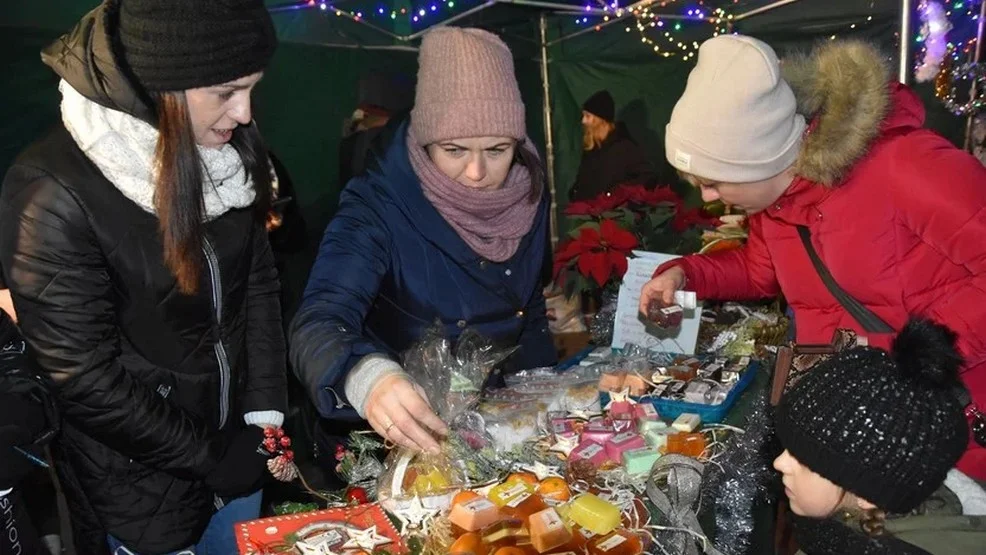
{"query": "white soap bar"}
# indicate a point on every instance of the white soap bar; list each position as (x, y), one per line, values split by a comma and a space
(687, 422)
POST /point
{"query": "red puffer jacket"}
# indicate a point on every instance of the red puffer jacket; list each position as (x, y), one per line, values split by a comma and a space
(902, 229)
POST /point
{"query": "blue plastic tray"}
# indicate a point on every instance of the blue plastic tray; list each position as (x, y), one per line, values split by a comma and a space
(711, 414)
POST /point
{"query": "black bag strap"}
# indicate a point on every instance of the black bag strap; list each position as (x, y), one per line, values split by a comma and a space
(866, 318)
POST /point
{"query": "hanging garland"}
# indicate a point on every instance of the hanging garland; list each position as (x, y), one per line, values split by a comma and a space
(952, 77)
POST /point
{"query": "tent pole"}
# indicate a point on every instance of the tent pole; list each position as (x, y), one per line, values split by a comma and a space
(549, 143)
(452, 19)
(764, 9)
(973, 92)
(904, 67)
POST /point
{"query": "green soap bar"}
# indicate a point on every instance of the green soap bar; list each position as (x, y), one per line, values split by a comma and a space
(657, 438)
(644, 426)
(640, 461)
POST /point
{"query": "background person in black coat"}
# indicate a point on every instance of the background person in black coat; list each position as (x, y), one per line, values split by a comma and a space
(611, 156)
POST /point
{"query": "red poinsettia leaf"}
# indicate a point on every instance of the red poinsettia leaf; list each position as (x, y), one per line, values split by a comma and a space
(567, 250)
(589, 236)
(579, 208)
(617, 237)
(619, 263)
(597, 266)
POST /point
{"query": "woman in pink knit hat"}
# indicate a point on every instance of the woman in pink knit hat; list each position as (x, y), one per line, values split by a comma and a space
(449, 223)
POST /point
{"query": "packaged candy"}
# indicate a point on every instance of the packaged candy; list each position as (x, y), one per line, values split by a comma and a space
(670, 315)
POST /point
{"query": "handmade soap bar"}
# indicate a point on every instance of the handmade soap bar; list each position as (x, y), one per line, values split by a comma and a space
(562, 428)
(657, 438)
(640, 461)
(687, 422)
(593, 514)
(646, 412)
(509, 531)
(506, 491)
(475, 514)
(683, 373)
(428, 484)
(620, 542)
(624, 423)
(612, 381)
(623, 442)
(524, 505)
(590, 451)
(547, 530)
(599, 431)
(665, 315)
(698, 392)
(691, 445)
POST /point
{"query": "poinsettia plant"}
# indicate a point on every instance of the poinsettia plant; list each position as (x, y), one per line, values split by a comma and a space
(609, 227)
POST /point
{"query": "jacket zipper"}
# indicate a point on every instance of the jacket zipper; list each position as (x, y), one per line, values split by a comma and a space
(217, 295)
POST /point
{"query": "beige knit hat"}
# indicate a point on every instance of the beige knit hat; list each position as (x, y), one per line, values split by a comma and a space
(737, 119)
(466, 88)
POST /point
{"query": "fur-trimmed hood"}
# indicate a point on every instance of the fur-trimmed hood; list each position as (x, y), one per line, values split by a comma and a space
(844, 89)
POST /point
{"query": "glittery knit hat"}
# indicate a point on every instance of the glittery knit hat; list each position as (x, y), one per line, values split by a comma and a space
(174, 45)
(885, 426)
(466, 88)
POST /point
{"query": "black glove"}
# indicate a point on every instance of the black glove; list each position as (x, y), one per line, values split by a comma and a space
(243, 468)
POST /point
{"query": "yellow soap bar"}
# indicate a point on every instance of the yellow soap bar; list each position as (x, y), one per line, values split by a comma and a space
(502, 494)
(432, 482)
(594, 514)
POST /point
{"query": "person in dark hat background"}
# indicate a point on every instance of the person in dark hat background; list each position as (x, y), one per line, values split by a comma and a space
(611, 157)
(381, 96)
(133, 241)
(871, 439)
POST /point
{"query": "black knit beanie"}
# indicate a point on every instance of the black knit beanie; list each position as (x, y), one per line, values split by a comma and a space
(601, 105)
(174, 45)
(885, 426)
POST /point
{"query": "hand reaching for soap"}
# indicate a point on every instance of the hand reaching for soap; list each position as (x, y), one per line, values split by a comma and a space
(662, 287)
(399, 411)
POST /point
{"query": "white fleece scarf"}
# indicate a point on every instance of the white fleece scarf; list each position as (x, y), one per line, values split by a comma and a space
(122, 147)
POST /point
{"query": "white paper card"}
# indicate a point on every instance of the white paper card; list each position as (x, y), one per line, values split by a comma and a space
(629, 326)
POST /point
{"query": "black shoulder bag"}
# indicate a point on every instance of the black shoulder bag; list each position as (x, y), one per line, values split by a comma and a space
(874, 324)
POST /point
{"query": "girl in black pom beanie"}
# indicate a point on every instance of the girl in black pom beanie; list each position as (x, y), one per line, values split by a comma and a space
(870, 438)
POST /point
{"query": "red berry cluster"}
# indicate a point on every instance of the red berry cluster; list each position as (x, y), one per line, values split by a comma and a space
(277, 443)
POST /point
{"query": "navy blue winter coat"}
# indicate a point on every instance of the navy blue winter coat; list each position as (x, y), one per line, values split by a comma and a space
(389, 266)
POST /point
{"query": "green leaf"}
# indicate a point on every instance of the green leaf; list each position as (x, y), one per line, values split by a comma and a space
(659, 219)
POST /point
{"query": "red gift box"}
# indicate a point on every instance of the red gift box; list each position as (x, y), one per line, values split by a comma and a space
(347, 529)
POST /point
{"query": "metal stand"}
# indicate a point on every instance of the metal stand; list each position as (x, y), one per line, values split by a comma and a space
(549, 143)
(904, 68)
(973, 91)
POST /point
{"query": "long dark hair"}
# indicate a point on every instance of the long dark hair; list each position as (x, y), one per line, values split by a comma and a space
(525, 155)
(179, 182)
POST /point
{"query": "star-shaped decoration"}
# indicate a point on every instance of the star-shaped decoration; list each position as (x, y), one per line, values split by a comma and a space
(620, 397)
(542, 470)
(584, 414)
(365, 539)
(321, 548)
(565, 445)
(415, 516)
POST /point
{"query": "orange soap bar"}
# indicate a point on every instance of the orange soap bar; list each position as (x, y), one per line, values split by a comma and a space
(509, 531)
(524, 505)
(620, 542)
(475, 514)
(690, 445)
(547, 530)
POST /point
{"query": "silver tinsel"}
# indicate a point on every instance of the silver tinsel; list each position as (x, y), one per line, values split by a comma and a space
(674, 488)
(738, 479)
(601, 326)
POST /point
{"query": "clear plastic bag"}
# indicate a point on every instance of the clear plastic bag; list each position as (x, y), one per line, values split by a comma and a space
(451, 374)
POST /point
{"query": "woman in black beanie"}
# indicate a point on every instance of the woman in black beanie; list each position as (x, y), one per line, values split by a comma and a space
(870, 438)
(133, 240)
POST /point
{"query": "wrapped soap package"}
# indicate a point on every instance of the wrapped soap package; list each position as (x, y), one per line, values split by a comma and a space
(451, 376)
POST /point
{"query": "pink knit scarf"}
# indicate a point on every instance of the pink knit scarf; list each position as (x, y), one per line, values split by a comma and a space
(493, 222)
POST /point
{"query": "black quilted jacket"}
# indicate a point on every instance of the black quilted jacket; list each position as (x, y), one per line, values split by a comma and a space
(150, 382)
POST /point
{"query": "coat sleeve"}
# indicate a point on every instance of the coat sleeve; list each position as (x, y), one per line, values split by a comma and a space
(327, 337)
(65, 299)
(742, 274)
(940, 195)
(265, 397)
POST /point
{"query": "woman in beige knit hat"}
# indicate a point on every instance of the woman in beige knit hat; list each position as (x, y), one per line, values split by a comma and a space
(833, 163)
(449, 223)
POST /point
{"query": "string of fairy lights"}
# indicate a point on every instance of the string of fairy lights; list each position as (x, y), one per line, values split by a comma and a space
(948, 41)
(667, 34)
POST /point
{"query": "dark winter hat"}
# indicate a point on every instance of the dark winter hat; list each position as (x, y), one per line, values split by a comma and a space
(885, 426)
(173, 45)
(601, 105)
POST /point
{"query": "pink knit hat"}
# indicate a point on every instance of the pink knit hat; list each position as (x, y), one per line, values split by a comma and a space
(466, 88)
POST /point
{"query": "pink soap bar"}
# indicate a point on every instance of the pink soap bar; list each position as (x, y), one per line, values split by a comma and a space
(590, 451)
(598, 431)
(562, 428)
(646, 411)
(626, 441)
(624, 423)
(617, 408)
